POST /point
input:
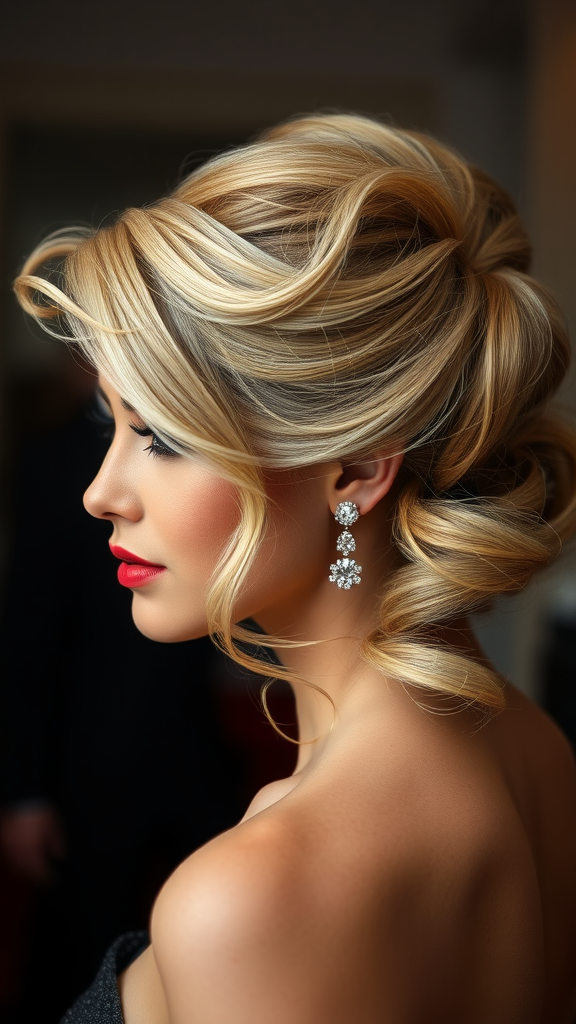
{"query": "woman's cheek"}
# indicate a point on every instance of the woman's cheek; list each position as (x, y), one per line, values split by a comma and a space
(294, 554)
(197, 521)
(192, 514)
(190, 518)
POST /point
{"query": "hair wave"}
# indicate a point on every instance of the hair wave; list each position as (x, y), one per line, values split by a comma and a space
(338, 287)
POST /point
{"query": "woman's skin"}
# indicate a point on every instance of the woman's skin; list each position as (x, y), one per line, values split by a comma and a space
(415, 868)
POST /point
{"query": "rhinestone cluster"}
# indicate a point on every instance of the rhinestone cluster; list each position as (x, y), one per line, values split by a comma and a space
(347, 513)
(346, 543)
(346, 571)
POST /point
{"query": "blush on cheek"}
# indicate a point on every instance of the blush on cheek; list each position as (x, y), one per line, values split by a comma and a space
(197, 523)
(189, 519)
(190, 515)
(202, 508)
(210, 515)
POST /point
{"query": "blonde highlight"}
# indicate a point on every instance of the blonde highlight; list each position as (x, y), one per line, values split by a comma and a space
(336, 288)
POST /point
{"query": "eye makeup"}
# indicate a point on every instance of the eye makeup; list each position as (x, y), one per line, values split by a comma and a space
(157, 447)
(103, 415)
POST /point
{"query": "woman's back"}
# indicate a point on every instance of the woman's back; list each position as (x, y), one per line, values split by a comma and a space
(538, 768)
(447, 855)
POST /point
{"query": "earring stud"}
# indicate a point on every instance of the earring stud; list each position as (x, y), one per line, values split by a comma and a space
(345, 571)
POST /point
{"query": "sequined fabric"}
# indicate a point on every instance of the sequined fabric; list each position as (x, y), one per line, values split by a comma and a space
(100, 1004)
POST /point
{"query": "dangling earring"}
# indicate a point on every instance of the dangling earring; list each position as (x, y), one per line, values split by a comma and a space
(346, 571)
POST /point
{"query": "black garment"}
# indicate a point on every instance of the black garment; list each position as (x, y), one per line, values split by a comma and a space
(100, 1004)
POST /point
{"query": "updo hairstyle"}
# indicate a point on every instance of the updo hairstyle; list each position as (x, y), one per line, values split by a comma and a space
(337, 288)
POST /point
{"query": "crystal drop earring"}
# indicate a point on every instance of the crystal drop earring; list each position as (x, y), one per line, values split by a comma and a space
(346, 571)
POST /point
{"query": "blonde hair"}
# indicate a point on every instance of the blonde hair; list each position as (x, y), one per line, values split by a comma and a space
(338, 287)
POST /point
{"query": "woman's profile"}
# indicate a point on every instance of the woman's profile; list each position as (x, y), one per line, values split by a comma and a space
(330, 373)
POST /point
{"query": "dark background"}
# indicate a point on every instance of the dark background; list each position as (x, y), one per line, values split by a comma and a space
(106, 104)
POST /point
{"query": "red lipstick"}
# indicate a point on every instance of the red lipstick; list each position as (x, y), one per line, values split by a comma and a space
(134, 571)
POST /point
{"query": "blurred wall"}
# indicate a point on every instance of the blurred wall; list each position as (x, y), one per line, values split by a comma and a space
(551, 214)
(495, 78)
(224, 71)
(552, 154)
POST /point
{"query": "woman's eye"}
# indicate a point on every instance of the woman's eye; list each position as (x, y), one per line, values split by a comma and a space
(156, 446)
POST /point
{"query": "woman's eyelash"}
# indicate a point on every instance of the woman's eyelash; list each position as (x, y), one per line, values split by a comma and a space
(157, 446)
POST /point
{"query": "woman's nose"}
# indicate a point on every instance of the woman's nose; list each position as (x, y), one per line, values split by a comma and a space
(110, 493)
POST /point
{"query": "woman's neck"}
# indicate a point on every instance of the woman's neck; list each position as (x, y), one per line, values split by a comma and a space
(344, 686)
(332, 624)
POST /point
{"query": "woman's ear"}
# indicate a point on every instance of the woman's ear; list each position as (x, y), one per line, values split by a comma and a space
(365, 482)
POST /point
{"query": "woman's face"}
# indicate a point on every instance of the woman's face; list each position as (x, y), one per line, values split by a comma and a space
(172, 517)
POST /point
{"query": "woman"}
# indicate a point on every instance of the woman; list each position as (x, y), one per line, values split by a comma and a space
(329, 373)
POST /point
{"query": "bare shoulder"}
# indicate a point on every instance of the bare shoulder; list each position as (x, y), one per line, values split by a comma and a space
(213, 926)
(384, 865)
(322, 908)
(526, 734)
(538, 719)
(293, 917)
(227, 929)
(543, 782)
(233, 880)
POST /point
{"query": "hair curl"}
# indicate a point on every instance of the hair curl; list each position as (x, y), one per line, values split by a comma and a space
(337, 287)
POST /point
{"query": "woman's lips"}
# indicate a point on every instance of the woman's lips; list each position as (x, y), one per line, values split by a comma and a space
(134, 571)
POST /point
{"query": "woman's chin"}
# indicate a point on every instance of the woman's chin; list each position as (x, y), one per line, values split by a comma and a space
(164, 628)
